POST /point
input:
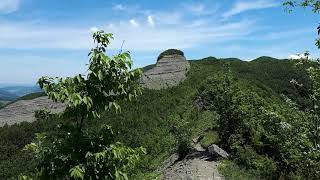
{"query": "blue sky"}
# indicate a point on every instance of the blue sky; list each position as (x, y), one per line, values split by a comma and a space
(53, 37)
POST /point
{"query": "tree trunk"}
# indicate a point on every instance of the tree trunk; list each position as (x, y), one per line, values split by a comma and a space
(81, 121)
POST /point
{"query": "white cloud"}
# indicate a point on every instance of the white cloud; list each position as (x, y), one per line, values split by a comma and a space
(110, 26)
(118, 7)
(94, 29)
(9, 6)
(298, 56)
(288, 33)
(174, 30)
(200, 9)
(144, 38)
(134, 23)
(130, 9)
(31, 36)
(242, 6)
(151, 21)
(294, 56)
(172, 18)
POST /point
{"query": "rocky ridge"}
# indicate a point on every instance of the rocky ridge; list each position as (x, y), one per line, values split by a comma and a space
(24, 110)
(169, 71)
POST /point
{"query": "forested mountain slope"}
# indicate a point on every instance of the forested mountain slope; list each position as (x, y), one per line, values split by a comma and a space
(244, 104)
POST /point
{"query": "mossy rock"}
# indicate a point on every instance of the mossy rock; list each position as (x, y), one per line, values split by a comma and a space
(170, 52)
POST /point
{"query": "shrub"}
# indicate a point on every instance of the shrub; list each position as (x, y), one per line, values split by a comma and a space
(270, 138)
(211, 137)
(170, 52)
(231, 170)
(75, 151)
(182, 135)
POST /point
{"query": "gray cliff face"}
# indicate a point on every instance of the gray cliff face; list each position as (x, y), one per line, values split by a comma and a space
(169, 71)
(24, 110)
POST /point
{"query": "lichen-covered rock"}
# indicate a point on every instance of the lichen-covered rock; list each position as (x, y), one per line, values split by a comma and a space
(169, 71)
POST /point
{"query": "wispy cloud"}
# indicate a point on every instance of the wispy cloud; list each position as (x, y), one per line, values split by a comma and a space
(134, 23)
(151, 21)
(94, 29)
(286, 34)
(201, 9)
(33, 36)
(172, 18)
(9, 6)
(128, 8)
(145, 38)
(243, 6)
(118, 7)
(138, 37)
(174, 29)
(33, 41)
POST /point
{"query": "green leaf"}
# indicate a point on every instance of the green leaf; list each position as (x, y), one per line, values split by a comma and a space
(124, 175)
(77, 172)
(100, 75)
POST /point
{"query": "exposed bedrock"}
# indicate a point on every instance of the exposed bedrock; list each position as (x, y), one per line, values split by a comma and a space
(169, 71)
(24, 110)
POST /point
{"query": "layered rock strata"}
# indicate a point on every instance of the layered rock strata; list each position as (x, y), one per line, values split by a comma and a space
(169, 71)
(24, 110)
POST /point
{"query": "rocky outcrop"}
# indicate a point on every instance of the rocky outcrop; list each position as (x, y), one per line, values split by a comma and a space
(168, 162)
(24, 110)
(196, 165)
(217, 151)
(200, 163)
(169, 71)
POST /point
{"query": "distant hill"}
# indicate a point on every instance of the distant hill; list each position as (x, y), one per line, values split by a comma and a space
(7, 96)
(10, 93)
(21, 90)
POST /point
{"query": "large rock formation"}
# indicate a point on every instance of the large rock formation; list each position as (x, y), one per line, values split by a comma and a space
(169, 71)
(24, 110)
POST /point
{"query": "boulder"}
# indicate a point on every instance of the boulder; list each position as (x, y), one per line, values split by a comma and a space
(217, 151)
